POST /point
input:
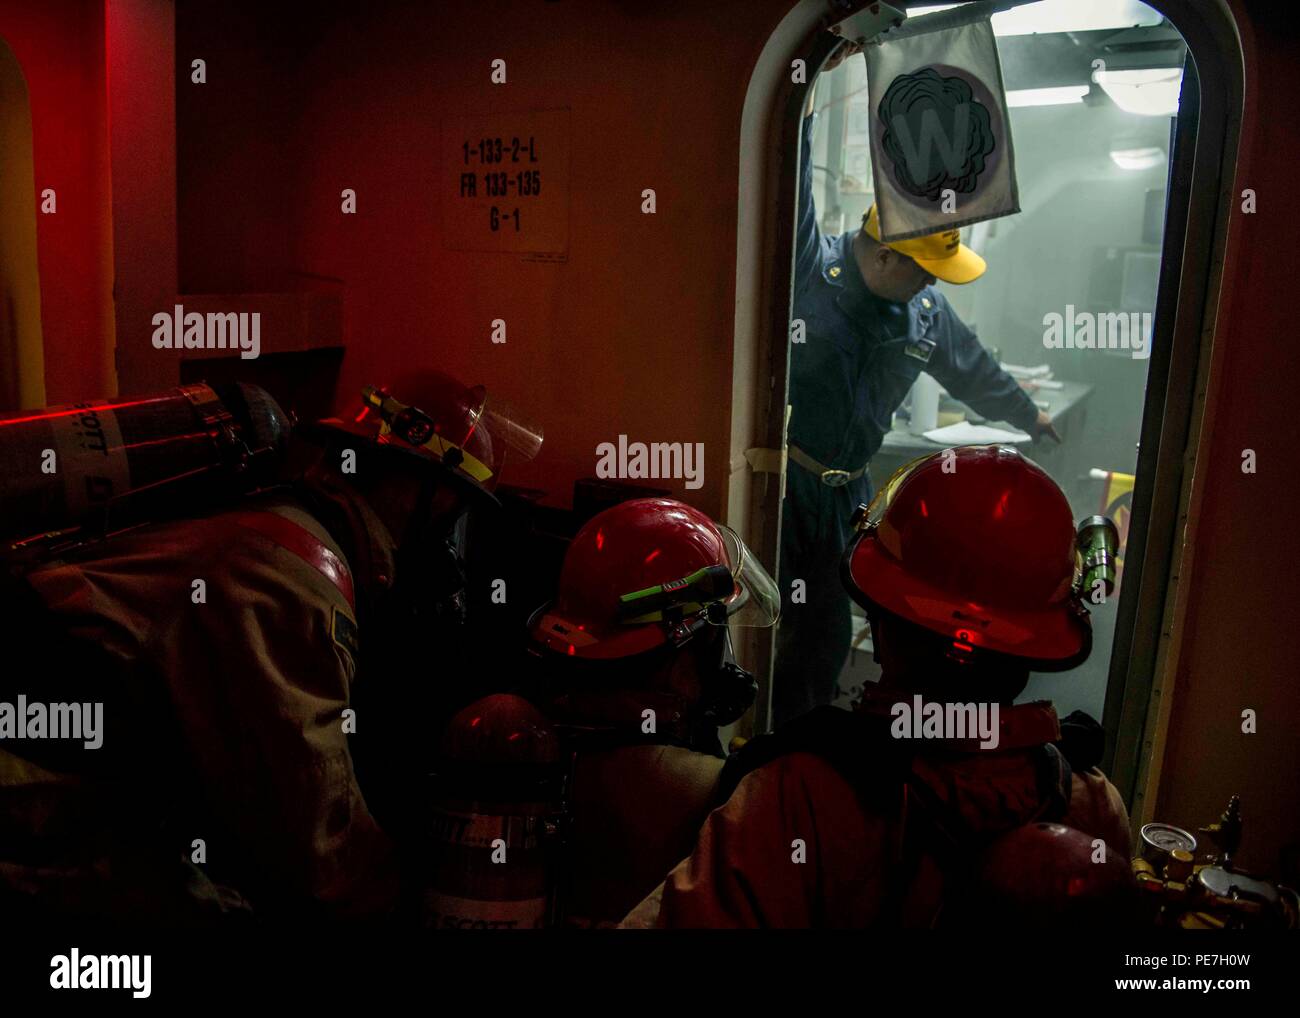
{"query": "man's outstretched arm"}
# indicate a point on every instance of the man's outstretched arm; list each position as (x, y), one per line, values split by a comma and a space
(969, 372)
(808, 236)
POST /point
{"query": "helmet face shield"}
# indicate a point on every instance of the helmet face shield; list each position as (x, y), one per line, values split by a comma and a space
(881, 500)
(509, 428)
(756, 602)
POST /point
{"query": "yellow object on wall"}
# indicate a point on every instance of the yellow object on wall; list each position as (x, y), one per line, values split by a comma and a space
(22, 356)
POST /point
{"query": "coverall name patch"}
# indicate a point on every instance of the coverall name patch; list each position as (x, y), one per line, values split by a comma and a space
(920, 348)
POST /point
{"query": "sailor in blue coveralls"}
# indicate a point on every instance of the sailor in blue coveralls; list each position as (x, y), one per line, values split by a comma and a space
(873, 322)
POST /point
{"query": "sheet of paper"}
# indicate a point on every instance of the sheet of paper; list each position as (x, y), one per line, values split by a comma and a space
(965, 433)
(1038, 371)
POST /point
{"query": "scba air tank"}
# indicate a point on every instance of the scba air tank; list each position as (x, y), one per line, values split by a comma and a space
(105, 464)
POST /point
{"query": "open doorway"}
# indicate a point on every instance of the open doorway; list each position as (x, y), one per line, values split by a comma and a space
(1092, 99)
(1198, 150)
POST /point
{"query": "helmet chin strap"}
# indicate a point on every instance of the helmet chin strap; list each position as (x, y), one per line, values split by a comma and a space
(428, 573)
(730, 691)
(415, 533)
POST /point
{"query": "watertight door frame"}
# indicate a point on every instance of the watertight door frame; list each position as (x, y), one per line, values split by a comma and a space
(1202, 163)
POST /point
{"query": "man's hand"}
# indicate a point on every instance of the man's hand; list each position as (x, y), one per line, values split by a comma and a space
(1043, 426)
(846, 50)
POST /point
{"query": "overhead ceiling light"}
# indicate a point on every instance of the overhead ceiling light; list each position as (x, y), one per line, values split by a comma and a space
(1059, 96)
(1048, 16)
(1149, 92)
(1137, 158)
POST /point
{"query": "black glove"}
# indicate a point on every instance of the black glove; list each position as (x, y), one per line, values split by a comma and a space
(1083, 741)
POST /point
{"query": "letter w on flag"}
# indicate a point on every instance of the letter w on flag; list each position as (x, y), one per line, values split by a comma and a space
(938, 122)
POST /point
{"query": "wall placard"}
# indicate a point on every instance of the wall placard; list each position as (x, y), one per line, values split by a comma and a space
(505, 183)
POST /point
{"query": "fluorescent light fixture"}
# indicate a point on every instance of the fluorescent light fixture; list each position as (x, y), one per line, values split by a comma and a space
(1062, 16)
(1061, 96)
(1149, 92)
(1137, 158)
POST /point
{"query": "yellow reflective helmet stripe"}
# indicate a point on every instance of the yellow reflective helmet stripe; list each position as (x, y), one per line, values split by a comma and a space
(439, 446)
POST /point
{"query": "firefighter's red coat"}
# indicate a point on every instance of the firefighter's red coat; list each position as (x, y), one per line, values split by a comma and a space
(743, 871)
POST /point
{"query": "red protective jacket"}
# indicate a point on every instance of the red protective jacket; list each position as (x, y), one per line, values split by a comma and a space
(744, 873)
(235, 703)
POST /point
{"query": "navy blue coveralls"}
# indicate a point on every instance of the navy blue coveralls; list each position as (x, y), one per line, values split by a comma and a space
(858, 360)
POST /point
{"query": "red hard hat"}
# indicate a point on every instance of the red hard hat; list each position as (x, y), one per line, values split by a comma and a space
(976, 544)
(635, 546)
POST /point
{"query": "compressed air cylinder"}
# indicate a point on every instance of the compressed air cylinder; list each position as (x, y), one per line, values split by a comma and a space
(111, 461)
(495, 820)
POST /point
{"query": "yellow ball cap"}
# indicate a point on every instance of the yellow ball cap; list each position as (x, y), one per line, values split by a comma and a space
(942, 254)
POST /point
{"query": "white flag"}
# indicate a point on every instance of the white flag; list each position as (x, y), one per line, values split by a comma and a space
(940, 137)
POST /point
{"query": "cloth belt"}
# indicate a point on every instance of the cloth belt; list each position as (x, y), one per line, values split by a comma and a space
(829, 475)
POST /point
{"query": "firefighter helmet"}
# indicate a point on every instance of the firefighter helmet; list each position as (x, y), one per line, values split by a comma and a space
(978, 545)
(646, 572)
(456, 426)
